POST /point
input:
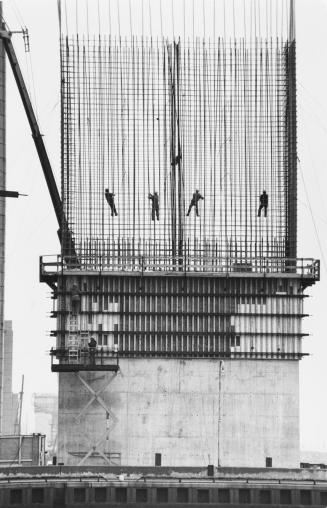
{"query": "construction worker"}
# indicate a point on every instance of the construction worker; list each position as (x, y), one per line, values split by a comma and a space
(111, 202)
(155, 205)
(176, 160)
(194, 202)
(92, 347)
(92, 343)
(75, 298)
(263, 203)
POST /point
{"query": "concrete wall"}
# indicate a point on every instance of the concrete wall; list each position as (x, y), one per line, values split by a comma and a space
(172, 407)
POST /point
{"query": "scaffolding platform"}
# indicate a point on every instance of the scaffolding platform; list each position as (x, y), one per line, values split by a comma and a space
(76, 360)
(51, 267)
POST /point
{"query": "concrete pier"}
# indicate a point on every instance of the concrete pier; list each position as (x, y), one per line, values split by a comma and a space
(177, 408)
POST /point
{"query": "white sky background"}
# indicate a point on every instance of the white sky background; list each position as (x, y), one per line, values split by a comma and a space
(31, 223)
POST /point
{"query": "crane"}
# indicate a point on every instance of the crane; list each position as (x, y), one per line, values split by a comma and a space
(64, 233)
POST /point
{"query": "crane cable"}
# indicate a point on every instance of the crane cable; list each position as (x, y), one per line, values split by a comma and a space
(130, 19)
(59, 14)
(150, 19)
(160, 6)
(28, 60)
(312, 216)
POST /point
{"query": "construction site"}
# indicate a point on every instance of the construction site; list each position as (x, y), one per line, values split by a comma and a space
(178, 294)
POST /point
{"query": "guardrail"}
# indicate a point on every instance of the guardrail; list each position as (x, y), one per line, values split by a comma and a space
(304, 267)
(83, 359)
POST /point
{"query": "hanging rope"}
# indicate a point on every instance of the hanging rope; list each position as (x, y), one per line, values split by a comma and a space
(193, 20)
(118, 18)
(312, 217)
(109, 17)
(161, 28)
(59, 15)
(150, 18)
(130, 18)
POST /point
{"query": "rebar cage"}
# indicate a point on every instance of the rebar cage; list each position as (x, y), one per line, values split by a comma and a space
(147, 115)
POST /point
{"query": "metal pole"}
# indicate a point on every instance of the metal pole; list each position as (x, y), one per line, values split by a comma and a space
(2, 207)
(292, 21)
(291, 232)
(221, 371)
(20, 408)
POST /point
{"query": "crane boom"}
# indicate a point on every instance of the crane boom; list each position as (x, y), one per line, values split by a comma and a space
(36, 134)
(65, 235)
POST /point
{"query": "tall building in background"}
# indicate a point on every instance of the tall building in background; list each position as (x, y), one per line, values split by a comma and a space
(10, 399)
(179, 318)
(2, 208)
(46, 419)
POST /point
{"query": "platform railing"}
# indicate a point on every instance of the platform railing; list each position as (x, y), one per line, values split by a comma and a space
(304, 267)
(71, 359)
(84, 358)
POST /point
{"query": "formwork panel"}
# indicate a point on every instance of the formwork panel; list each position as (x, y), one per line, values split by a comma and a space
(179, 316)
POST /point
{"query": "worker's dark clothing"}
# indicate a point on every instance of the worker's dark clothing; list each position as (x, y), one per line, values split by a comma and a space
(263, 204)
(155, 205)
(76, 298)
(111, 202)
(93, 342)
(92, 346)
(176, 160)
(194, 202)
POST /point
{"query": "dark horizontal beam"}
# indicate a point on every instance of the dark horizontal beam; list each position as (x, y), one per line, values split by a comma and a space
(184, 293)
(9, 194)
(175, 333)
(226, 314)
(74, 367)
(87, 365)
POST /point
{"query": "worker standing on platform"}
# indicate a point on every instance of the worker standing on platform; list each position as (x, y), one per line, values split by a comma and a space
(176, 160)
(92, 347)
(263, 203)
(155, 205)
(111, 202)
(194, 202)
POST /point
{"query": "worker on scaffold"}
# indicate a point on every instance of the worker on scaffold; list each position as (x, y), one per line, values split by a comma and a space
(92, 349)
(75, 299)
(194, 202)
(155, 205)
(263, 203)
(110, 197)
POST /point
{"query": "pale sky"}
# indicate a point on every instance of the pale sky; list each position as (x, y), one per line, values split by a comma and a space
(31, 224)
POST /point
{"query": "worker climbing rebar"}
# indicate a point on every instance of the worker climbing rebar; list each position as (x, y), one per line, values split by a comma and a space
(194, 202)
(155, 205)
(110, 197)
(176, 160)
(263, 203)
